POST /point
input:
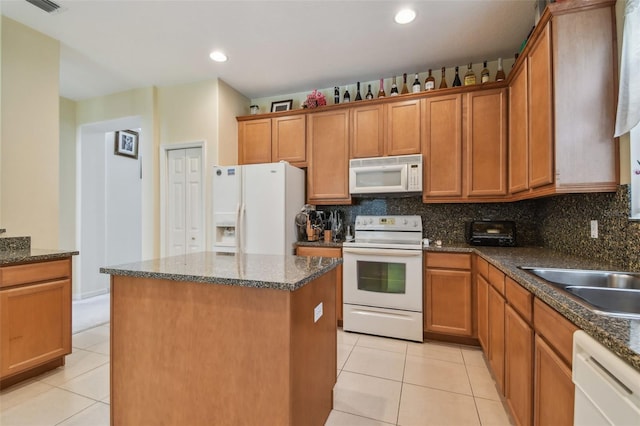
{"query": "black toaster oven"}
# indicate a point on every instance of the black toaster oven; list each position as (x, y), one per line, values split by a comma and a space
(491, 233)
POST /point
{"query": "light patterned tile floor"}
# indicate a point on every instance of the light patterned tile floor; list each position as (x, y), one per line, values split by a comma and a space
(380, 382)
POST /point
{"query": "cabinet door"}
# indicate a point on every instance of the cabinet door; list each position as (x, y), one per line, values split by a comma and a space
(442, 146)
(482, 288)
(328, 252)
(254, 141)
(367, 131)
(288, 139)
(486, 162)
(403, 127)
(554, 390)
(518, 377)
(35, 325)
(540, 111)
(447, 301)
(518, 132)
(496, 336)
(328, 172)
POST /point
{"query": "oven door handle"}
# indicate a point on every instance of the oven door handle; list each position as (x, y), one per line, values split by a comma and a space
(383, 252)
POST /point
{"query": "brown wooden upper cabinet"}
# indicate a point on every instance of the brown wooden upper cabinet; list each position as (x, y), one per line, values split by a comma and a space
(273, 139)
(486, 143)
(328, 172)
(385, 129)
(560, 123)
(442, 146)
(465, 160)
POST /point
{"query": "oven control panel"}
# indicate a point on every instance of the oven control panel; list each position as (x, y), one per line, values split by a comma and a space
(388, 223)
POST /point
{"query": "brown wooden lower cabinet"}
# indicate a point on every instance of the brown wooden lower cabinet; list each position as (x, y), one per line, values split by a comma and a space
(554, 389)
(496, 336)
(448, 294)
(482, 302)
(518, 337)
(35, 318)
(334, 252)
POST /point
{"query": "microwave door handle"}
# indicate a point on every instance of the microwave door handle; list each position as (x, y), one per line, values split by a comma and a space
(382, 252)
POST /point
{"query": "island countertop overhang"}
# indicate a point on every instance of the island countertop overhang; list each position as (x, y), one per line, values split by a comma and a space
(278, 272)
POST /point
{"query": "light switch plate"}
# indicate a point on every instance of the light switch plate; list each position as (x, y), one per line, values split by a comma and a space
(594, 229)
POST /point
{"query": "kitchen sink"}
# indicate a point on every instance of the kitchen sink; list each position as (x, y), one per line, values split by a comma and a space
(608, 292)
(610, 300)
(587, 277)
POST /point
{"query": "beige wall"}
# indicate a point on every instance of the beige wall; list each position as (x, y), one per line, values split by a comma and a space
(67, 173)
(29, 172)
(231, 104)
(625, 172)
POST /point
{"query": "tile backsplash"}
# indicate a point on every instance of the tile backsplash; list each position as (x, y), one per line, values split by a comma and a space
(560, 223)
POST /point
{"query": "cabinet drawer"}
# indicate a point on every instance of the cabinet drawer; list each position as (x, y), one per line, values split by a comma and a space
(319, 251)
(556, 329)
(448, 260)
(35, 272)
(482, 267)
(496, 278)
(520, 298)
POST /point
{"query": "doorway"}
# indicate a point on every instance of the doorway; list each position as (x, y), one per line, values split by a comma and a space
(184, 205)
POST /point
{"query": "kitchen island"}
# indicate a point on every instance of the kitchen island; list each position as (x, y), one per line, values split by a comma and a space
(211, 338)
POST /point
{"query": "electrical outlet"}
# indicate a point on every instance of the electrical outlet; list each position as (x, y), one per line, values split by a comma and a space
(594, 229)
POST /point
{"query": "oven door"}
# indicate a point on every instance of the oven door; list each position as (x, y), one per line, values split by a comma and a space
(386, 278)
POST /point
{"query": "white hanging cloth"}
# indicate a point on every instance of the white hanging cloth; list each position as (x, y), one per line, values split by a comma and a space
(628, 114)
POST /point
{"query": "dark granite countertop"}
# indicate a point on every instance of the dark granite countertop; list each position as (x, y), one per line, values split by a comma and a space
(9, 257)
(249, 270)
(320, 243)
(620, 335)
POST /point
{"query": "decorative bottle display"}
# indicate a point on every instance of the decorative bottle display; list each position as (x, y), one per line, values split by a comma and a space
(369, 95)
(430, 82)
(416, 87)
(358, 96)
(405, 89)
(456, 80)
(394, 87)
(500, 73)
(347, 97)
(336, 95)
(470, 76)
(443, 80)
(381, 93)
(484, 75)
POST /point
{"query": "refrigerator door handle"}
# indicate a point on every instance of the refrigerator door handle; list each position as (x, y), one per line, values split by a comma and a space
(238, 233)
(240, 228)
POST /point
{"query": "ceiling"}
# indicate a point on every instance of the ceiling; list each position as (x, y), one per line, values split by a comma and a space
(274, 47)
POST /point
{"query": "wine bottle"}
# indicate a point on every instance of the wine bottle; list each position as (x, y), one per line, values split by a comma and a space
(336, 95)
(443, 80)
(430, 82)
(394, 87)
(347, 97)
(358, 96)
(405, 89)
(456, 80)
(470, 76)
(369, 95)
(484, 75)
(381, 93)
(416, 87)
(500, 73)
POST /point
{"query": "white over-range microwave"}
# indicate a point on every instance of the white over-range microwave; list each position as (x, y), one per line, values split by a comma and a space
(386, 175)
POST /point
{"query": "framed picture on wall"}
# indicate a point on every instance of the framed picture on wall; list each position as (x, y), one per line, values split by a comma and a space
(126, 143)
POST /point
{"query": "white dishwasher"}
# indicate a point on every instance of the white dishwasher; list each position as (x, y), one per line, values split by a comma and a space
(607, 388)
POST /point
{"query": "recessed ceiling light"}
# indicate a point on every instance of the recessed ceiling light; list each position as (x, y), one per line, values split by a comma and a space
(218, 56)
(405, 16)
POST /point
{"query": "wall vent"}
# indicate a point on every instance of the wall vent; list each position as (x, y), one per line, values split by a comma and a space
(46, 5)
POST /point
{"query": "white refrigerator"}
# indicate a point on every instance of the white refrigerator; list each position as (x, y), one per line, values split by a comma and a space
(254, 208)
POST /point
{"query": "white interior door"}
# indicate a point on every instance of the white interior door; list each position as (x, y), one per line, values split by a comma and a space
(185, 202)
